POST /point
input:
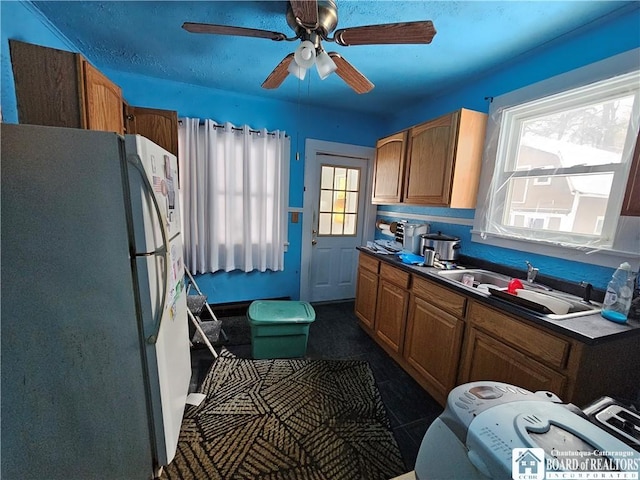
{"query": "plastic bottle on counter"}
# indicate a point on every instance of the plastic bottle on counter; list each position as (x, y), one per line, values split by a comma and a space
(617, 300)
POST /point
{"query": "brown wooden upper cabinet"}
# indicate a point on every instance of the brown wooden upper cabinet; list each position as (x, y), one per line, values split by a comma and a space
(160, 126)
(388, 169)
(631, 203)
(62, 89)
(435, 163)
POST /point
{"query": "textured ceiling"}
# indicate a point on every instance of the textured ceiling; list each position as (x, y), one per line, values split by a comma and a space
(472, 37)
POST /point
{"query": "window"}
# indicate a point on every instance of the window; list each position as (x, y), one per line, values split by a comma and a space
(339, 188)
(561, 164)
(234, 182)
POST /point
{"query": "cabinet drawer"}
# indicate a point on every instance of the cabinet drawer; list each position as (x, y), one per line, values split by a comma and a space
(368, 262)
(394, 275)
(539, 344)
(440, 296)
(489, 359)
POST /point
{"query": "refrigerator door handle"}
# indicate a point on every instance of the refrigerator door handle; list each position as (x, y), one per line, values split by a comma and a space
(163, 250)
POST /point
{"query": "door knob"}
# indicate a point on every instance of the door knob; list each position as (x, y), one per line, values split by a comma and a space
(314, 241)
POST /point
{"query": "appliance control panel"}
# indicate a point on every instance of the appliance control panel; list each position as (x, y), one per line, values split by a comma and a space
(466, 402)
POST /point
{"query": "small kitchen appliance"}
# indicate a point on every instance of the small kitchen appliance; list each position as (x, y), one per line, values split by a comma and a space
(484, 422)
(408, 235)
(446, 247)
(620, 420)
(429, 256)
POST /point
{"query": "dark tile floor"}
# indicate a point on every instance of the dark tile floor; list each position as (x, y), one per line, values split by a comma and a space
(336, 335)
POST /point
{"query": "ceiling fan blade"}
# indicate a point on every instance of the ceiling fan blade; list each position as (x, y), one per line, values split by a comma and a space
(351, 75)
(306, 11)
(389, 33)
(277, 76)
(229, 30)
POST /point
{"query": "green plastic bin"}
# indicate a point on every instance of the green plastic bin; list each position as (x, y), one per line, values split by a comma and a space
(279, 328)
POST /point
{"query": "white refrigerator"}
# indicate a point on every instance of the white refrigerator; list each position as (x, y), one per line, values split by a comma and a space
(95, 352)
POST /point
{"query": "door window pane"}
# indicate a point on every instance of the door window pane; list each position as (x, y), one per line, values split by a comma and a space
(338, 201)
(324, 224)
(337, 224)
(326, 181)
(352, 202)
(338, 194)
(340, 179)
(326, 198)
(349, 224)
(353, 180)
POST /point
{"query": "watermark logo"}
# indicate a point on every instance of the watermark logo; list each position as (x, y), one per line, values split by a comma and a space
(531, 464)
(527, 464)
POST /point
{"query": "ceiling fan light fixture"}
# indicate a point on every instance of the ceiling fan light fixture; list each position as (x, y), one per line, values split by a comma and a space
(325, 65)
(296, 70)
(305, 54)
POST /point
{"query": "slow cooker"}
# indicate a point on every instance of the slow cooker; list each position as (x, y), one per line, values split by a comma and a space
(445, 246)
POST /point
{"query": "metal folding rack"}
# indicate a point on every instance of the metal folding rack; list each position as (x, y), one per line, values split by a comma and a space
(196, 304)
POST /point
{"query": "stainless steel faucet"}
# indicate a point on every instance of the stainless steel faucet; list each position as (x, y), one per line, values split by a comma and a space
(531, 272)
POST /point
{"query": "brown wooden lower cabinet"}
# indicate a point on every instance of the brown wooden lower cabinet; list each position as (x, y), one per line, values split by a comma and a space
(486, 358)
(391, 314)
(443, 338)
(366, 295)
(432, 344)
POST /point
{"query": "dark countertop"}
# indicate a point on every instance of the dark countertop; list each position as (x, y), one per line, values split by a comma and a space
(589, 329)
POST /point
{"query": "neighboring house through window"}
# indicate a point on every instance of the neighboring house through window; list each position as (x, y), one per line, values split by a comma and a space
(558, 160)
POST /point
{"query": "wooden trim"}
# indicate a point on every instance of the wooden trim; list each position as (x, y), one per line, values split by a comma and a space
(472, 127)
(81, 74)
(631, 202)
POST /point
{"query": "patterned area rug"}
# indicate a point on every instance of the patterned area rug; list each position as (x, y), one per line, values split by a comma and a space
(287, 419)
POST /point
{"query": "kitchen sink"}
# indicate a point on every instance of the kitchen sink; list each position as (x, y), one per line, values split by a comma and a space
(483, 280)
(480, 277)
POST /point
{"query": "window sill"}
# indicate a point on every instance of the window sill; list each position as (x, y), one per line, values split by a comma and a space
(604, 257)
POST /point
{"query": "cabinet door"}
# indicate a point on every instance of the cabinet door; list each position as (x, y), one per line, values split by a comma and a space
(103, 101)
(388, 169)
(159, 126)
(391, 311)
(631, 204)
(366, 295)
(46, 85)
(489, 359)
(430, 161)
(432, 344)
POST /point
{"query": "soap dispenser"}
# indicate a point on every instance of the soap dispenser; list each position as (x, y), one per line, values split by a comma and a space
(617, 300)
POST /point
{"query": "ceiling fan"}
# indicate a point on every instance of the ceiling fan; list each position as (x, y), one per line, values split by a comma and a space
(312, 22)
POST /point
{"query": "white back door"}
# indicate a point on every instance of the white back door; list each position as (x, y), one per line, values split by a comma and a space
(337, 219)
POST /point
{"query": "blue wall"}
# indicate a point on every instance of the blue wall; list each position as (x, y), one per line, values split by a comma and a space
(594, 43)
(597, 42)
(22, 23)
(18, 22)
(222, 106)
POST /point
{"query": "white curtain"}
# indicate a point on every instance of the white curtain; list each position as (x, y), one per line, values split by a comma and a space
(235, 188)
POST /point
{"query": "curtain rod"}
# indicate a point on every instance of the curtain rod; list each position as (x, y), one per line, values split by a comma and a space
(237, 129)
